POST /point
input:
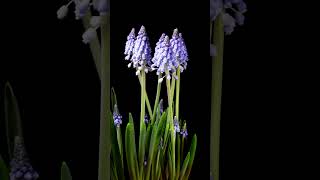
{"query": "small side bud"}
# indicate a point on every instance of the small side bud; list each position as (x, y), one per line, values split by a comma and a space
(62, 12)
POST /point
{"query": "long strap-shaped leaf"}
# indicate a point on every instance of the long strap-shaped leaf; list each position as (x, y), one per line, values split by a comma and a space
(154, 142)
(65, 172)
(4, 172)
(12, 117)
(192, 154)
(131, 154)
(184, 166)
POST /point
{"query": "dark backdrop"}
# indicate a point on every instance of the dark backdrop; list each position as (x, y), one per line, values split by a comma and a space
(55, 81)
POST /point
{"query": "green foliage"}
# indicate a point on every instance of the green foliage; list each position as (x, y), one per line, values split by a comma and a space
(65, 172)
(4, 172)
(12, 117)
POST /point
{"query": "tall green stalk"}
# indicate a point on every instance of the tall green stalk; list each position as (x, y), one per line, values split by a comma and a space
(146, 98)
(216, 91)
(142, 137)
(156, 103)
(177, 93)
(170, 116)
(104, 139)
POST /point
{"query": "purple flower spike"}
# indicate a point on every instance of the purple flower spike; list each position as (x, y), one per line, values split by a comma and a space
(20, 165)
(141, 51)
(176, 125)
(184, 131)
(117, 118)
(179, 49)
(129, 45)
(164, 59)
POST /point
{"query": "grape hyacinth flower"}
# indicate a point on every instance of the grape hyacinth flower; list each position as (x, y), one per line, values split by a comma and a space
(63, 10)
(176, 125)
(117, 118)
(227, 8)
(101, 6)
(81, 8)
(164, 59)
(21, 168)
(179, 49)
(129, 45)
(141, 55)
(184, 131)
(146, 119)
(89, 35)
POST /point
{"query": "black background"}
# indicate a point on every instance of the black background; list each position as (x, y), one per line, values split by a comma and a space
(55, 81)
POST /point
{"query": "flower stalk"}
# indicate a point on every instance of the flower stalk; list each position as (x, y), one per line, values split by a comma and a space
(216, 90)
(104, 139)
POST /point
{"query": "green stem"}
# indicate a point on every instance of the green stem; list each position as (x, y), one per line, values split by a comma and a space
(104, 139)
(170, 114)
(119, 139)
(177, 92)
(217, 66)
(173, 86)
(156, 103)
(146, 98)
(142, 126)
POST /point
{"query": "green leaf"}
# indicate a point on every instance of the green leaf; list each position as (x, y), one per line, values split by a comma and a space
(148, 137)
(142, 149)
(12, 117)
(118, 168)
(184, 166)
(65, 172)
(4, 172)
(192, 155)
(154, 141)
(179, 155)
(131, 153)
(170, 162)
(113, 98)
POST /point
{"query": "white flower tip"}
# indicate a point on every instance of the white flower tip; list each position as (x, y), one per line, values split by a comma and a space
(146, 70)
(160, 80)
(140, 68)
(62, 12)
(168, 77)
(137, 72)
(129, 65)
